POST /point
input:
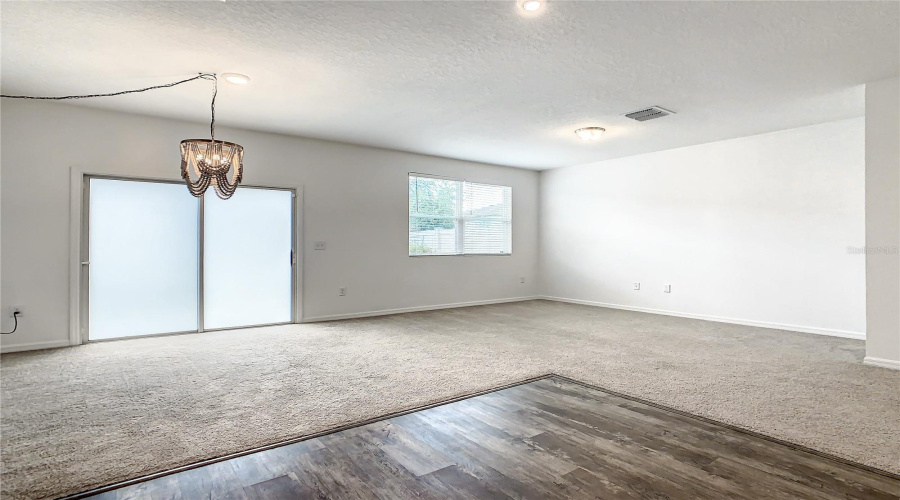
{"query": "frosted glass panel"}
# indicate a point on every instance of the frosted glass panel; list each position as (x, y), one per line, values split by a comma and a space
(143, 258)
(247, 258)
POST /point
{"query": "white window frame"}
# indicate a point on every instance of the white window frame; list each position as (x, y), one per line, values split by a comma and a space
(461, 218)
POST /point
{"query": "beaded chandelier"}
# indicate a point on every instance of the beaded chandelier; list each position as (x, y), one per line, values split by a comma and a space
(210, 162)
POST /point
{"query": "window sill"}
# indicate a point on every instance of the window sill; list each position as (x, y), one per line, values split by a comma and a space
(462, 255)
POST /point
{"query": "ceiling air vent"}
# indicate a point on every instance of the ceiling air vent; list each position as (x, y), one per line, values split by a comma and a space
(649, 113)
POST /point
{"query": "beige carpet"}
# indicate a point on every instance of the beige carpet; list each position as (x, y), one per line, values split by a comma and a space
(77, 418)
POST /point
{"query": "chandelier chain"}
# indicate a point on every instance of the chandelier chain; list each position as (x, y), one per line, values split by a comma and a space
(212, 109)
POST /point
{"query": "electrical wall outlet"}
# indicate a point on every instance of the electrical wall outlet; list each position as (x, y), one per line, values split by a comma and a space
(667, 288)
(637, 286)
(522, 279)
(15, 309)
(342, 292)
(319, 245)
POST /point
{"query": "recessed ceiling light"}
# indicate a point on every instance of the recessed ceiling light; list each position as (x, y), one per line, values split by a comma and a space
(236, 78)
(590, 133)
(531, 5)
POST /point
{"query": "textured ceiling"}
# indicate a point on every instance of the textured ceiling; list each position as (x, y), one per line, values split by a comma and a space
(471, 80)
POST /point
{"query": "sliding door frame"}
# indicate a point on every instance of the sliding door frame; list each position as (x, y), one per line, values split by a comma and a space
(79, 254)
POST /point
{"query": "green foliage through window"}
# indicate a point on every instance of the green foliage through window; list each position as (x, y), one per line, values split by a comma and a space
(451, 217)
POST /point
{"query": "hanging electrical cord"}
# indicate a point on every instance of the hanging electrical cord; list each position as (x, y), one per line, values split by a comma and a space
(204, 76)
(200, 76)
(203, 163)
(16, 326)
(212, 107)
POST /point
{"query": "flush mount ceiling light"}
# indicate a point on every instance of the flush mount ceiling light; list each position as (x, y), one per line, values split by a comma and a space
(590, 133)
(531, 5)
(236, 78)
(204, 162)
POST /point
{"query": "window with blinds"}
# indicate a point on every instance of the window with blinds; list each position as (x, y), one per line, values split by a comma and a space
(456, 217)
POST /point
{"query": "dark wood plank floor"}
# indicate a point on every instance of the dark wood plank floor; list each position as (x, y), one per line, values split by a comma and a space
(551, 438)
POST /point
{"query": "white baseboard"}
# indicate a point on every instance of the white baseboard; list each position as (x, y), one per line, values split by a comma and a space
(886, 363)
(893, 364)
(33, 346)
(385, 312)
(719, 319)
(65, 343)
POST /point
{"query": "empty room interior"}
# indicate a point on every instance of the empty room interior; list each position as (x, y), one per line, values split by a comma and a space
(489, 249)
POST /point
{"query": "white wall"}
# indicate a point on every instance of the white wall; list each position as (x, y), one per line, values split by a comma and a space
(883, 222)
(754, 230)
(366, 237)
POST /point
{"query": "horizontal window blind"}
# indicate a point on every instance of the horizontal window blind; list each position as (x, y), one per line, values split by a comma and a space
(456, 217)
(487, 216)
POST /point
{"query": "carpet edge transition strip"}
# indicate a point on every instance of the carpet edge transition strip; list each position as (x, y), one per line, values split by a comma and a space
(353, 425)
(298, 439)
(742, 430)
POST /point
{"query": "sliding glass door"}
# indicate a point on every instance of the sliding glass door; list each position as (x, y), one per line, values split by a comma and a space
(144, 258)
(159, 260)
(248, 258)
